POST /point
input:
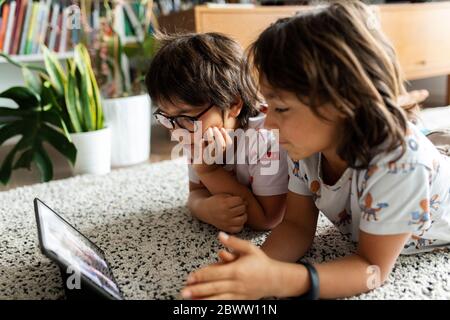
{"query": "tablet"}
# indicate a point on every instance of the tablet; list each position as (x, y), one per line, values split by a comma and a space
(75, 255)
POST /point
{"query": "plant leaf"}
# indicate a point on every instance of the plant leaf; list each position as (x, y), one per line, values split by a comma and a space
(43, 163)
(54, 70)
(24, 97)
(87, 105)
(6, 168)
(60, 143)
(95, 97)
(22, 65)
(10, 130)
(25, 160)
(54, 118)
(31, 80)
(17, 113)
(70, 97)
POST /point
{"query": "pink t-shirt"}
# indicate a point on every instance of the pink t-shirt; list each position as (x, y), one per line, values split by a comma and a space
(262, 164)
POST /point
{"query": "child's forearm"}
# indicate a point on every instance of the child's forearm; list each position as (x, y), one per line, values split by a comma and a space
(221, 181)
(287, 242)
(196, 204)
(345, 277)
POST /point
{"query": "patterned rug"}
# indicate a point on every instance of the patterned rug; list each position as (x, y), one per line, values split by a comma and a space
(139, 218)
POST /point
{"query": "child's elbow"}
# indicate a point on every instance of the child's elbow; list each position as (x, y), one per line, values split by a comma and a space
(270, 222)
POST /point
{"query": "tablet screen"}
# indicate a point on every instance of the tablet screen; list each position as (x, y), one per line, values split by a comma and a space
(73, 250)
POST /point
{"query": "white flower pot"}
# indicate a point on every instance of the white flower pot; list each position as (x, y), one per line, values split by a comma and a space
(129, 119)
(93, 152)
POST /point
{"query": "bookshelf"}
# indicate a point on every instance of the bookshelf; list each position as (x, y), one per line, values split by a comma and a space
(36, 57)
(26, 25)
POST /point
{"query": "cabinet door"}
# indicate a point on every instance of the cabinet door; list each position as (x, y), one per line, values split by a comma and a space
(243, 25)
(421, 36)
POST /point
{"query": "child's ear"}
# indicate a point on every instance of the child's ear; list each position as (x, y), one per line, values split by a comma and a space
(236, 108)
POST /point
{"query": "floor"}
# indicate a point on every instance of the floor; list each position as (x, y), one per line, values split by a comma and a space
(161, 148)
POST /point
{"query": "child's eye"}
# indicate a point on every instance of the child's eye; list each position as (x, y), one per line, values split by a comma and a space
(281, 110)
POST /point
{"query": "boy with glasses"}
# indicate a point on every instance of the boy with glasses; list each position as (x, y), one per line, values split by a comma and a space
(197, 80)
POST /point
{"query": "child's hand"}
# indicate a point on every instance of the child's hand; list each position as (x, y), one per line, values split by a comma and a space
(216, 142)
(247, 274)
(227, 212)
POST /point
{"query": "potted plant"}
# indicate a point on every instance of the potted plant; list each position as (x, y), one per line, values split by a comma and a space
(120, 66)
(62, 108)
(84, 113)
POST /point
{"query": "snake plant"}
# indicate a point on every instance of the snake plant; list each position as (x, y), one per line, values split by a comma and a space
(53, 103)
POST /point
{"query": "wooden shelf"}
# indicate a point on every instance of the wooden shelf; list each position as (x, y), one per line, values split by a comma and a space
(36, 57)
(418, 31)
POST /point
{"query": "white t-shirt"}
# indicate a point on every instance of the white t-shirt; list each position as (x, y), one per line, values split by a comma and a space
(411, 194)
(264, 167)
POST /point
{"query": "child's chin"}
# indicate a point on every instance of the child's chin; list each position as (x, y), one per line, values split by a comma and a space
(297, 155)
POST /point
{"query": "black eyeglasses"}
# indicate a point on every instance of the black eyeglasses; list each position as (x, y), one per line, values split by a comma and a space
(186, 122)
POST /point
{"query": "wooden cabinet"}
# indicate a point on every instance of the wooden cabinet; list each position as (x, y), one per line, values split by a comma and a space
(420, 32)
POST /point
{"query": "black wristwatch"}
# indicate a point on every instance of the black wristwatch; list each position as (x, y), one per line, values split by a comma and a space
(313, 293)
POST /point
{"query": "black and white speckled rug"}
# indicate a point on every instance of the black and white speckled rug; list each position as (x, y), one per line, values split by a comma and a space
(138, 217)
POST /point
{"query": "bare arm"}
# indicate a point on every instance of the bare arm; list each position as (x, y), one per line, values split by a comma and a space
(197, 196)
(224, 211)
(242, 276)
(363, 271)
(263, 213)
(290, 240)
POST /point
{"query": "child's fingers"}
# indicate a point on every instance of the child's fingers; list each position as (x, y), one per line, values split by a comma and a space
(234, 201)
(225, 256)
(236, 244)
(239, 221)
(226, 136)
(210, 154)
(209, 135)
(239, 210)
(208, 289)
(220, 141)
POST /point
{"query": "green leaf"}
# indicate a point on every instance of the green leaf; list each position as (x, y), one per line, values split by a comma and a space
(24, 97)
(82, 62)
(71, 101)
(95, 99)
(43, 163)
(17, 113)
(6, 168)
(10, 130)
(54, 118)
(25, 160)
(31, 80)
(149, 47)
(132, 50)
(22, 65)
(60, 143)
(54, 70)
(50, 96)
(95, 102)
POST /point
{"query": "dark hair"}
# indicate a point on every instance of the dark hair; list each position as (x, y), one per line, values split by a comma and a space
(202, 69)
(337, 54)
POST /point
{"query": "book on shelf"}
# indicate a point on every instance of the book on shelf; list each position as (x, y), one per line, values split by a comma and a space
(3, 26)
(54, 27)
(9, 26)
(26, 25)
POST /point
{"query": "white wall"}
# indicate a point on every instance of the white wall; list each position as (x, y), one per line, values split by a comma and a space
(9, 76)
